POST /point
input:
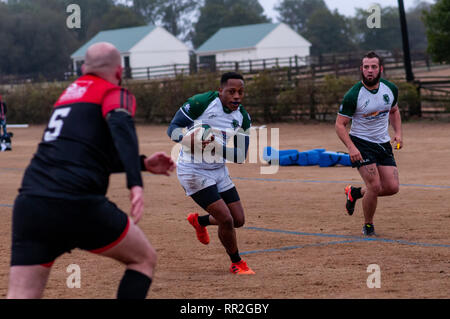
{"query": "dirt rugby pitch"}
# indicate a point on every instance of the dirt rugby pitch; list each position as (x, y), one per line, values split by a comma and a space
(298, 237)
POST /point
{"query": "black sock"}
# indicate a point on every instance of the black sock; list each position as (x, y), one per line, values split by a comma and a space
(356, 193)
(235, 258)
(134, 285)
(204, 220)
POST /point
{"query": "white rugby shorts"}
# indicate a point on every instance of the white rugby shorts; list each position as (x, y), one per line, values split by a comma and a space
(195, 179)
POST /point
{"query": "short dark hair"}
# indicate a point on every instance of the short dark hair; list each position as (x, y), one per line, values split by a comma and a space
(371, 55)
(230, 75)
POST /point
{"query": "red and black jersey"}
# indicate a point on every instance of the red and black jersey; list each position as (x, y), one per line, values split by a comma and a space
(3, 110)
(78, 153)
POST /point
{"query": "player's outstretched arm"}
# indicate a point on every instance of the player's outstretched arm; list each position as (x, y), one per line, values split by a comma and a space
(159, 163)
(137, 203)
(175, 129)
(123, 132)
(238, 154)
(396, 122)
(341, 131)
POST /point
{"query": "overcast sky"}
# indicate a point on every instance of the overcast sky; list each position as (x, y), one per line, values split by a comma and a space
(345, 7)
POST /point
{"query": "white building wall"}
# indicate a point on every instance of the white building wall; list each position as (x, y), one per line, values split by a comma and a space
(159, 47)
(237, 55)
(283, 42)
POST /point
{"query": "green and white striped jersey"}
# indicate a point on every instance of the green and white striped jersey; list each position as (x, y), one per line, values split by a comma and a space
(206, 108)
(369, 110)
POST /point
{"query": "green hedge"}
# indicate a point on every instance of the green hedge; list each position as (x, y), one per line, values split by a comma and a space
(32, 103)
(270, 97)
(158, 101)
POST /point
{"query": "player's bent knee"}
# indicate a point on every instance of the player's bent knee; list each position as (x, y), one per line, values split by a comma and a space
(394, 190)
(149, 256)
(134, 250)
(375, 188)
(389, 190)
(146, 264)
(27, 282)
(152, 258)
(239, 222)
(227, 221)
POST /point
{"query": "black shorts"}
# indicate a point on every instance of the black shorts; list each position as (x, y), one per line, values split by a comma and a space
(373, 153)
(45, 228)
(209, 195)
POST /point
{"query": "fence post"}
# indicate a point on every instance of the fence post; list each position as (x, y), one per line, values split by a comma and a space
(276, 63)
(397, 59)
(336, 67)
(264, 64)
(312, 102)
(148, 73)
(250, 65)
(193, 67)
(175, 69)
(289, 72)
(296, 64)
(128, 72)
(416, 109)
(236, 66)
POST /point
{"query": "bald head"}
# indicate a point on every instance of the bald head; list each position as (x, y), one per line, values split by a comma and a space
(104, 60)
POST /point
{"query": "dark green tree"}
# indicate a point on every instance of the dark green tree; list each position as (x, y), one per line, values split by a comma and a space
(216, 14)
(296, 13)
(388, 37)
(329, 32)
(35, 39)
(149, 9)
(116, 17)
(98, 15)
(173, 15)
(437, 22)
(91, 13)
(417, 31)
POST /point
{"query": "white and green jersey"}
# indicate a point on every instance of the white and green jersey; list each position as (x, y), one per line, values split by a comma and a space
(369, 110)
(207, 108)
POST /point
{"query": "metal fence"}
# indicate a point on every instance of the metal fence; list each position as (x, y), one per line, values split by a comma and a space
(434, 91)
(246, 67)
(434, 95)
(310, 66)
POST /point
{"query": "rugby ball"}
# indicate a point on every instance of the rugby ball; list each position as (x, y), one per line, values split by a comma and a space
(201, 132)
(204, 132)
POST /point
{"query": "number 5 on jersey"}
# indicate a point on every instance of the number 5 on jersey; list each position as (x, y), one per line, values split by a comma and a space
(56, 123)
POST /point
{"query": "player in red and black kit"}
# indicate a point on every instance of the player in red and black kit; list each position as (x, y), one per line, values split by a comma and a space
(62, 205)
(3, 111)
(5, 137)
